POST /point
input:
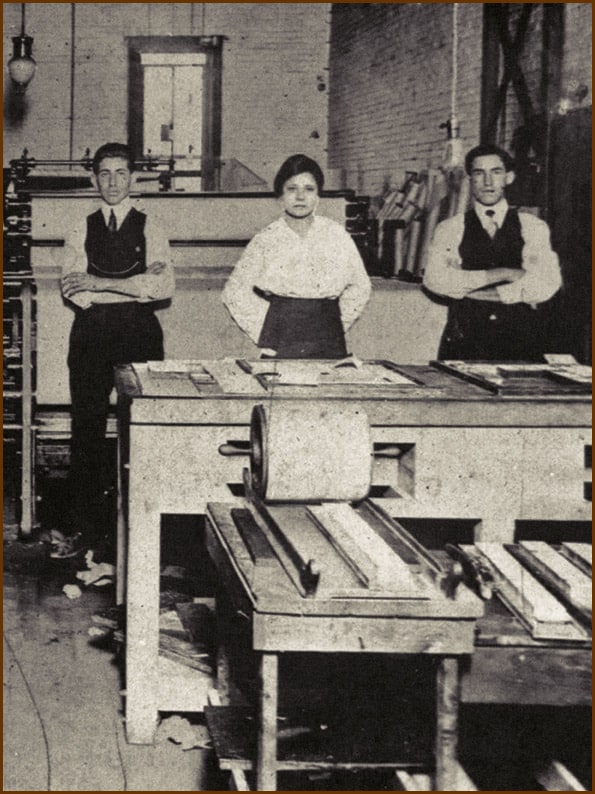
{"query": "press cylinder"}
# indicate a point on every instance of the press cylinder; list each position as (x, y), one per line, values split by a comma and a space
(310, 453)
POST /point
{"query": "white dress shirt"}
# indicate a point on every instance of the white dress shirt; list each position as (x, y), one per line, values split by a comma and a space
(325, 263)
(540, 281)
(494, 214)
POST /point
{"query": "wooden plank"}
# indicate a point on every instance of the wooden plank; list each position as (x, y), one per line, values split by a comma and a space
(527, 675)
(418, 782)
(422, 782)
(281, 596)
(181, 688)
(328, 634)
(266, 757)
(351, 552)
(447, 716)
(539, 609)
(27, 435)
(258, 546)
(392, 573)
(558, 572)
(399, 539)
(238, 781)
(581, 554)
(557, 778)
(180, 650)
(305, 552)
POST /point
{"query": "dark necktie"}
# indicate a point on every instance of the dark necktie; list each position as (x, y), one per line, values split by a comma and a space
(112, 225)
(491, 225)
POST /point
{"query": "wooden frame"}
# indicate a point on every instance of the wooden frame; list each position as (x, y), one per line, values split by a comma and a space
(212, 47)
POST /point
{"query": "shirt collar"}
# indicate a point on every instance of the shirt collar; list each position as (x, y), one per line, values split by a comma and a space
(121, 210)
(500, 210)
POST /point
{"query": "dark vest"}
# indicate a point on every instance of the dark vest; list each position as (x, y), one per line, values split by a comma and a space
(491, 330)
(117, 254)
(479, 251)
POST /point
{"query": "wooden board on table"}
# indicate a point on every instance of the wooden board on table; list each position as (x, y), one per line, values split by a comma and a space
(349, 371)
(543, 614)
(558, 572)
(556, 777)
(581, 554)
(386, 571)
(231, 378)
(519, 379)
(278, 593)
(171, 368)
(292, 526)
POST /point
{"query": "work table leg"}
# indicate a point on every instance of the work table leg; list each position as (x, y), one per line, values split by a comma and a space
(142, 627)
(121, 535)
(266, 766)
(447, 713)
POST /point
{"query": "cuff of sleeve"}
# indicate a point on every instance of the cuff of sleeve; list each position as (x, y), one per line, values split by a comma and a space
(509, 293)
(83, 301)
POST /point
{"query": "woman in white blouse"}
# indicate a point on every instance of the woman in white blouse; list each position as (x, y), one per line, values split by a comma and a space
(300, 283)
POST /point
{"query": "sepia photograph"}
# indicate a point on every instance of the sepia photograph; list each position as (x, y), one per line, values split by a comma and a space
(297, 396)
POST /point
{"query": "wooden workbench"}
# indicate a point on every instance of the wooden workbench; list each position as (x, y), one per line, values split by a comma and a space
(480, 658)
(467, 453)
(282, 621)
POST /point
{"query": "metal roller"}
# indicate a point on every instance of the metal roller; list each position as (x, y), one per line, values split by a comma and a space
(310, 453)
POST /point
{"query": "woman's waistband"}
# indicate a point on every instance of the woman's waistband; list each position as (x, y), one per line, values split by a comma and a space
(269, 296)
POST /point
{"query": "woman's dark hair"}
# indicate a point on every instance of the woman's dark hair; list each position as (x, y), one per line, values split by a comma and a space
(113, 150)
(485, 149)
(294, 165)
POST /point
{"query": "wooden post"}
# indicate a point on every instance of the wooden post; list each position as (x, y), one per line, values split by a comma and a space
(266, 765)
(27, 479)
(489, 73)
(121, 522)
(447, 712)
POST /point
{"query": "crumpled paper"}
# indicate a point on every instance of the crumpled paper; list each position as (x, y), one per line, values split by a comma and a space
(180, 731)
(99, 574)
(72, 591)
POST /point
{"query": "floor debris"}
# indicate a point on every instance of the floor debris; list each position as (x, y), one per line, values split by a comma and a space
(72, 591)
(98, 574)
(180, 731)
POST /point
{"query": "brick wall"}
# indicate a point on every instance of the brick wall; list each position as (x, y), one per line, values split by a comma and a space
(391, 75)
(274, 58)
(391, 78)
(389, 81)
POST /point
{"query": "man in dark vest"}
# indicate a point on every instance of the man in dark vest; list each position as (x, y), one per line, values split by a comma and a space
(496, 265)
(116, 265)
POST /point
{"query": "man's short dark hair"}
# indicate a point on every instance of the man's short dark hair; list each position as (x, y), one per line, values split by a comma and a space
(294, 165)
(113, 150)
(484, 150)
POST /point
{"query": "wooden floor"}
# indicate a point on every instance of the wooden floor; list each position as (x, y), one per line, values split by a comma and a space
(63, 728)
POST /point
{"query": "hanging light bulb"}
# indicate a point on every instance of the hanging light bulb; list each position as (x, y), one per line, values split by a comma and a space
(21, 66)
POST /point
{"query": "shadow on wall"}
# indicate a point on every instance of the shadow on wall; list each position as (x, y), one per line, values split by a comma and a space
(16, 107)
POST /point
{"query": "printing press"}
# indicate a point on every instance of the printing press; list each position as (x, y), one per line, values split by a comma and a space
(320, 463)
